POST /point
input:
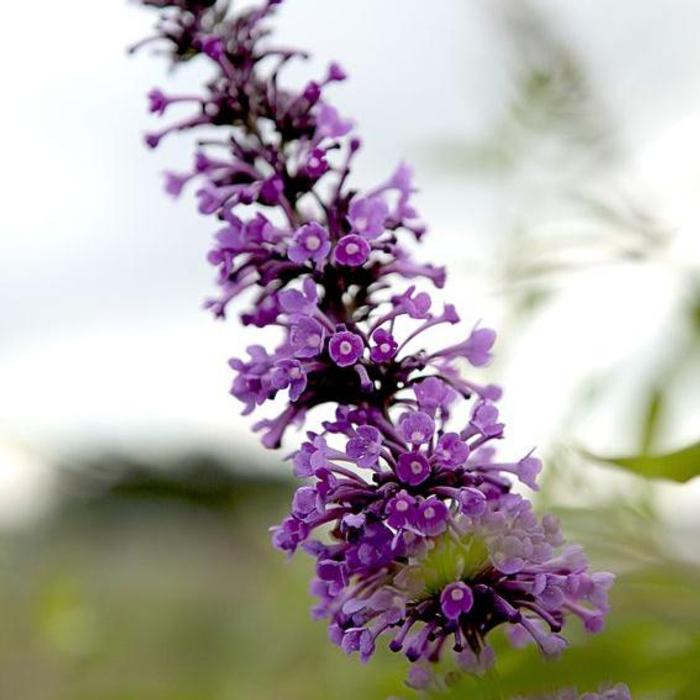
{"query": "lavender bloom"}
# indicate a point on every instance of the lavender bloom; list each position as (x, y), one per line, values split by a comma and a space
(456, 600)
(417, 427)
(306, 337)
(476, 348)
(401, 511)
(385, 347)
(412, 468)
(310, 242)
(368, 216)
(352, 251)
(451, 451)
(417, 535)
(292, 301)
(289, 373)
(365, 447)
(433, 394)
(433, 517)
(345, 348)
(329, 124)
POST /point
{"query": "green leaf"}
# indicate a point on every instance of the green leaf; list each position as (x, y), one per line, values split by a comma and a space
(652, 420)
(681, 465)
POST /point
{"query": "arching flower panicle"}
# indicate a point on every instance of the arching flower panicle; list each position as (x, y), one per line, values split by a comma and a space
(410, 515)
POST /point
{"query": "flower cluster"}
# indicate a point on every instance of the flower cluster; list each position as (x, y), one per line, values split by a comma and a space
(409, 514)
(428, 543)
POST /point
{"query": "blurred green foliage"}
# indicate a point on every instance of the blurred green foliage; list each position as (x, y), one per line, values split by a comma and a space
(679, 465)
(140, 593)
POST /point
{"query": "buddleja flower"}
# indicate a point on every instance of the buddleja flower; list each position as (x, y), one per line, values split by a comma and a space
(410, 515)
(430, 547)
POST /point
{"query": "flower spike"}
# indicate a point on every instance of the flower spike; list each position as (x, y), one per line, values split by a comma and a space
(418, 537)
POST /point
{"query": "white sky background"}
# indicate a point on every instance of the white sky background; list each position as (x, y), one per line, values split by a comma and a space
(102, 340)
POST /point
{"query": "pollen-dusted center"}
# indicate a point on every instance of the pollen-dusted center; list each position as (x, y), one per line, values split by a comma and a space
(313, 243)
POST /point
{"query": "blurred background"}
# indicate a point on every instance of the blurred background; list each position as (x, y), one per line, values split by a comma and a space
(557, 148)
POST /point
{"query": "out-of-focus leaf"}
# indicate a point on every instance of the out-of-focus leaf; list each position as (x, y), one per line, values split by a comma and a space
(652, 420)
(681, 465)
(694, 309)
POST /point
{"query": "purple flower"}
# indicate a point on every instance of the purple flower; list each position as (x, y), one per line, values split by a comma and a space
(305, 502)
(295, 302)
(312, 92)
(420, 678)
(365, 446)
(252, 384)
(474, 662)
(432, 517)
(485, 421)
(358, 639)
(476, 348)
(417, 427)
(351, 250)
(385, 347)
(157, 101)
(332, 571)
(412, 468)
(402, 180)
(336, 73)
(289, 373)
(401, 510)
(367, 216)
(451, 451)
(306, 337)
(290, 534)
(345, 348)
(302, 460)
(271, 190)
(329, 123)
(212, 46)
(472, 501)
(316, 164)
(456, 599)
(528, 468)
(175, 183)
(310, 242)
(264, 314)
(415, 305)
(433, 393)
